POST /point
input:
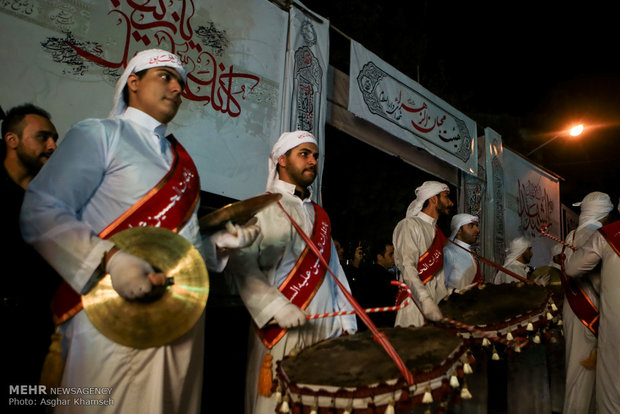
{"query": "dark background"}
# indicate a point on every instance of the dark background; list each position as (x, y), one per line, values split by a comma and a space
(528, 70)
(524, 71)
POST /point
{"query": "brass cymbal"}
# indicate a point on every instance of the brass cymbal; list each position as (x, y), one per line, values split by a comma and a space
(238, 212)
(164, 318)
(555, 279)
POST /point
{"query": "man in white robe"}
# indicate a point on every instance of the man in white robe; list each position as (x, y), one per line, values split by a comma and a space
(600, 248)
(518, 256)
(460, 267)
(412, 237)
(262, 268)
(462, 272)
(527, 374)
(100, 170)
(579, 396)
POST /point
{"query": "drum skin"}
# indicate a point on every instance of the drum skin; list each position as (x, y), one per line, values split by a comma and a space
(354, 372)
(499, 309)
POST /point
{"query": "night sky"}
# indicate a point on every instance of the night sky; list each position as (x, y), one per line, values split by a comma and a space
(526, 72)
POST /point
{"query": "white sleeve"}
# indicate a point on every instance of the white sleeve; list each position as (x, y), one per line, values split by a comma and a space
(586, 257)
(260, 297)
(50, 216)
(407, 252)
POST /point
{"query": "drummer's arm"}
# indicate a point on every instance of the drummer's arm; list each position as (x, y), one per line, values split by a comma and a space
(261, 299)
(586, 257)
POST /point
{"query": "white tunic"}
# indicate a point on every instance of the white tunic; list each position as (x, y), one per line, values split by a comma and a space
(459, 266)
(261, 268)
(596, 250)
(579, 395)
(412, 237)
(520, 269)
(100, 169)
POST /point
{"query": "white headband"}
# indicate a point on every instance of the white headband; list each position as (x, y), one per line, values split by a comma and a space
(427, 190)
(594, 207)
(516, 249)
(287, 141)
(146, 59)
(459, 220)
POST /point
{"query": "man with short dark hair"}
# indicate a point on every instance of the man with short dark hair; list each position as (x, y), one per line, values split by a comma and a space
(376, 289)
(28, 140)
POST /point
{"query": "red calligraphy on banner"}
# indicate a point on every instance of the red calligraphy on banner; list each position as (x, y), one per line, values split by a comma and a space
(167, 24)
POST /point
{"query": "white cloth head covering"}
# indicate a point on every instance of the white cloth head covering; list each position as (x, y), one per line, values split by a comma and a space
(146, 59)
(515, 250)
(423, 193)
(459, 220)
(287, 141)
(594, 207)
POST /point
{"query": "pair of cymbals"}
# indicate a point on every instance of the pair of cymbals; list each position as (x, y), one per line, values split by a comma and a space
(237, 213)
(156, 321)
(177, 307)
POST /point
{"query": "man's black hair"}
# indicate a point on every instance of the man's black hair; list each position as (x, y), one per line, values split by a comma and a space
(15, 115)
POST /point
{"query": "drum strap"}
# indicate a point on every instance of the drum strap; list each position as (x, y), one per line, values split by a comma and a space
(611, 232)
(479, 279)
(307, 275)
(492, 264)
(378, 336)
(431, 262)
(169, 204)
(578, 299)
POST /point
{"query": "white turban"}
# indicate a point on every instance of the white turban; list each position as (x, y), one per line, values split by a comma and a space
(423, 193)
(287, 141)
(151, 58)
(459, 220)
(516, 249)
(594, 207)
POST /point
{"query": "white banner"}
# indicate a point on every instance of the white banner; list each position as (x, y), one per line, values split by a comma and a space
(494, 232)
(66, 55)
(532, 200)
(405, 109)
(305, 99)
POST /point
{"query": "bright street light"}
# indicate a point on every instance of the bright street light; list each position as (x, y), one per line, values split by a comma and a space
(574, 131)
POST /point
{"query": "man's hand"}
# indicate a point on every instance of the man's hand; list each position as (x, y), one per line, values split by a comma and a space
(236, 236)
(132, 277)
(465, 288)
(430, 310)
(290, 316)
(542, 280)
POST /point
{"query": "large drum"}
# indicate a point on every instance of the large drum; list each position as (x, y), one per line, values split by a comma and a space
(355, 373)
(500, 310)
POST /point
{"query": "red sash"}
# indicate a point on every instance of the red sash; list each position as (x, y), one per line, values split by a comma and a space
(169, 204)
(431, 262)
(578, 299)
(304, 280)
(611, 232)
(479, 279)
